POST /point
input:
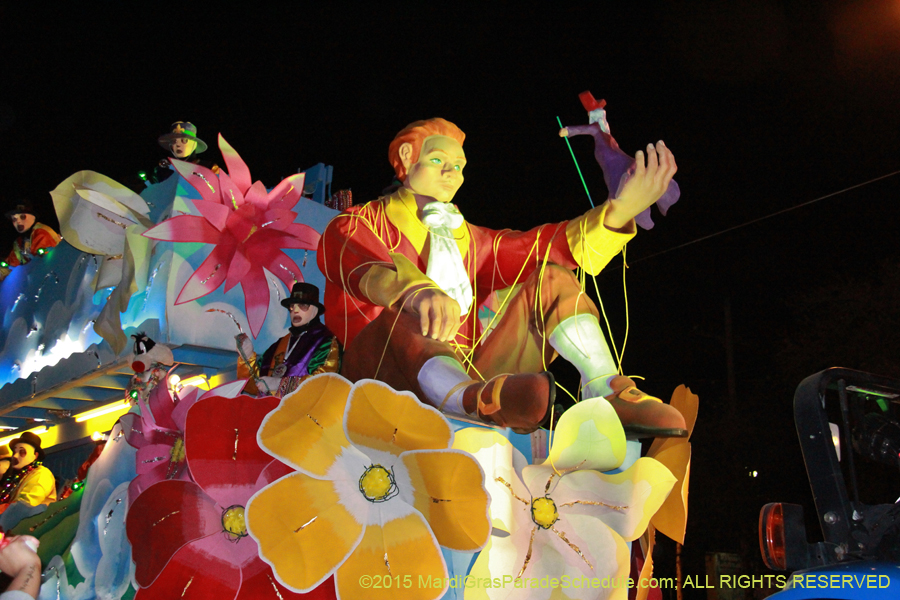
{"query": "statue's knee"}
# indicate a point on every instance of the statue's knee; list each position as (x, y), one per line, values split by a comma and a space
(559, 277)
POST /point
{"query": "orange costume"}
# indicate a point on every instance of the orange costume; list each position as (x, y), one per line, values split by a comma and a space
(26, 246)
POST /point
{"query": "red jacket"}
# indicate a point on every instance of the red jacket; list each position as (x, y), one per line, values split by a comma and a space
(372, 255)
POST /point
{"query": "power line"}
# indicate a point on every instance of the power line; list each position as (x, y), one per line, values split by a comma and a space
(774, 214)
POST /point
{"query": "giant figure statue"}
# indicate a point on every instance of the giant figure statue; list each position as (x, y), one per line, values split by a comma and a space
(405, 275)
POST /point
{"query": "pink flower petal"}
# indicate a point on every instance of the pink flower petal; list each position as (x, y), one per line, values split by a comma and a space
(179, 413)
(307, 234)
(277, 218)
(240, 264)
(184, 228)
(236, 166)
(200, 178)
(209, 275)
(232, 196)
(214, 212)
(132, 430)
(151, 457)
(288, 191)
(293, 237)
(257, 195)
(256, 298)
(285, 269)
(161, 406)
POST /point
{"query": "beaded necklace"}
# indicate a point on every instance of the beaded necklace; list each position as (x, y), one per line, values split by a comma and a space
(10, 483)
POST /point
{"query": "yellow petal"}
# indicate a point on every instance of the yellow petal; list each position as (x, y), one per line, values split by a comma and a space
(303, 530)
(687, 404)
(671, 518)
(384, 419)
(306, 431)
(401, 557)
(449, 492)
(588, 436)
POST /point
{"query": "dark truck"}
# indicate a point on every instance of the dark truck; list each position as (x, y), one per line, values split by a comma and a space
(848, 426)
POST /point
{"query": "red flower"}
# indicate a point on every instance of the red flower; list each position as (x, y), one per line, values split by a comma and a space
(189, 539)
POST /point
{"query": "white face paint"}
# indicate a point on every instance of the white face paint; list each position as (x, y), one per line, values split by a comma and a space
(23, 455)
(22, 222)
(301, 314)
(183, 147)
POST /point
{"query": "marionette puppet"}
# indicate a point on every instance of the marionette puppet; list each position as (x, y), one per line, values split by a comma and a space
(34, 238)
(617, 166)
(184, 145)
(406, 273)
(309, 347)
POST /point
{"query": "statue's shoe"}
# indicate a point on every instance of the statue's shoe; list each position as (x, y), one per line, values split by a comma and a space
(643, 415)
(521, 402)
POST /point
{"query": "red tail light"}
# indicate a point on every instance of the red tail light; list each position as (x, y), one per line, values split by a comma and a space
(771, 536)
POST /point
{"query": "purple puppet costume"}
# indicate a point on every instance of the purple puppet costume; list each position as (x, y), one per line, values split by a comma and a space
(617, 166)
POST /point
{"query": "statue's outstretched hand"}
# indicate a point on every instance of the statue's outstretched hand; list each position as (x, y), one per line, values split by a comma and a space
(438, 313)
(646, 186)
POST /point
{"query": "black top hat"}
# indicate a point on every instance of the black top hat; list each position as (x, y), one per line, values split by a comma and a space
(304, 293)
(182, 129)
(22, 207)
(32, 439)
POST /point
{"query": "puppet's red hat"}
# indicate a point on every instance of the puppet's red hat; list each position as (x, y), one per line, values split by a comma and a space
(589, 103)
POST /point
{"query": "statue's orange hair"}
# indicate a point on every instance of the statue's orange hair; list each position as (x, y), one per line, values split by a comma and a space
(415, 133)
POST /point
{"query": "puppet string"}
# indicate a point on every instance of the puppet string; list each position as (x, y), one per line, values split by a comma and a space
(575, 160)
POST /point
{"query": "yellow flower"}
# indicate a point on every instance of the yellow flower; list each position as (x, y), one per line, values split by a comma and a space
(377, 489)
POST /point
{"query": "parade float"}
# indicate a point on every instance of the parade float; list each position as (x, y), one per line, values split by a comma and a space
(119, 351)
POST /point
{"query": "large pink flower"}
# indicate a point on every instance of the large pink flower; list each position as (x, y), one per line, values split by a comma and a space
(189, 538)
(249, 228)
(158, 433)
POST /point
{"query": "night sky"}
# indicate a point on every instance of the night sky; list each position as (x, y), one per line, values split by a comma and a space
(766, 105)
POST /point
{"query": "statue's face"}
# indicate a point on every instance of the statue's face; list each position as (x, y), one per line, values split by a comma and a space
(22, 222)
(23, 455)
(438, 171)
(183, 147)
(301, 314)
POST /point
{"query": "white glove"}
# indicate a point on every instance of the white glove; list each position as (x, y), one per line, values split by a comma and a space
(244, 345)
